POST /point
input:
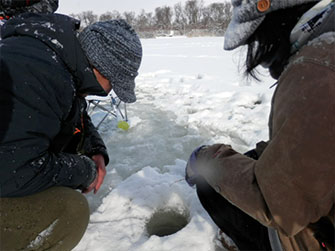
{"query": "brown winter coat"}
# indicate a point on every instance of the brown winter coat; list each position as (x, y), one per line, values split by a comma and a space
(293, 182)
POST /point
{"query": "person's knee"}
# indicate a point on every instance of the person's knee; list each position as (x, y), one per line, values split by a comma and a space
(75, 203)
(72, 206)
(73, 220)
(77, 211)
(69, 222)
(55, 219)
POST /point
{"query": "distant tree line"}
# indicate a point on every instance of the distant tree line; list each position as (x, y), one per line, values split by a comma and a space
(192, 19)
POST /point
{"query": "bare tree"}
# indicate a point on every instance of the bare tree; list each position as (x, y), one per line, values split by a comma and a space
(211, 19)
(130, 17)
(87, 18)
(227, 10)
(180, 19)
(110, 15)
(193, 11)
(207, 19)
(163, 17)
(220, 15)
(151, 19)
(142, 21)
(145, 21)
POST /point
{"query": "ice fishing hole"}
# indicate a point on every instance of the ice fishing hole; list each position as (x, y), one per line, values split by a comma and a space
(166, 222)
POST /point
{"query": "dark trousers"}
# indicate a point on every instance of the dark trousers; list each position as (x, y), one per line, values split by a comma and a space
(55, 219)
(246, 232)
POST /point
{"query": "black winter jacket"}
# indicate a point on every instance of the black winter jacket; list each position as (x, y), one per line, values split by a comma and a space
(44, 127)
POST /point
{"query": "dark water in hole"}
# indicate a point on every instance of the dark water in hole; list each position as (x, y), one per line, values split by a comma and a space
(166, 222)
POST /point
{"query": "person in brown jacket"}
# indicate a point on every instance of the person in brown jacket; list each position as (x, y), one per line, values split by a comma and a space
(281, 195)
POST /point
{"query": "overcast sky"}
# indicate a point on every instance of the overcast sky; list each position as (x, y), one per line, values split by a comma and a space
(102, 6)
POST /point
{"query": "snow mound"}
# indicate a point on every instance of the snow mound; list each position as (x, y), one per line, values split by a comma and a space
(120, 223)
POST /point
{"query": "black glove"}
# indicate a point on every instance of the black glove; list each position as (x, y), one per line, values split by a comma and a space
(92, 174)
(191, 173)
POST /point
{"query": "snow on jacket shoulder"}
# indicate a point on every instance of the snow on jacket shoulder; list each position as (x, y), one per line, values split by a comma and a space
(2, 22)
(293, 182)
(42, 71)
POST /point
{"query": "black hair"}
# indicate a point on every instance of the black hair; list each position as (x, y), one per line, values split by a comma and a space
(270, 44)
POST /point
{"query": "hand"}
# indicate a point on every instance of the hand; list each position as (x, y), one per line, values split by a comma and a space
(101, 173)
(191, 173)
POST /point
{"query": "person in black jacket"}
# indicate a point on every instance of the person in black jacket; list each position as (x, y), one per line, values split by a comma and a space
(49, 147)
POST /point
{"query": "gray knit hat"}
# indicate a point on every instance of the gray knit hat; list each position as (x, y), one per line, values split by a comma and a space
(248, 15)
(115, 50)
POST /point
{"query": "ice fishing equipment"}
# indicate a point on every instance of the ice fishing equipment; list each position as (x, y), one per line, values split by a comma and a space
(117, 112)
(122, 118)
(123, 125)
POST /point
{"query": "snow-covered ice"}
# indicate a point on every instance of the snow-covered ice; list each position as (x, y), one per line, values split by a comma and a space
(189, 92)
